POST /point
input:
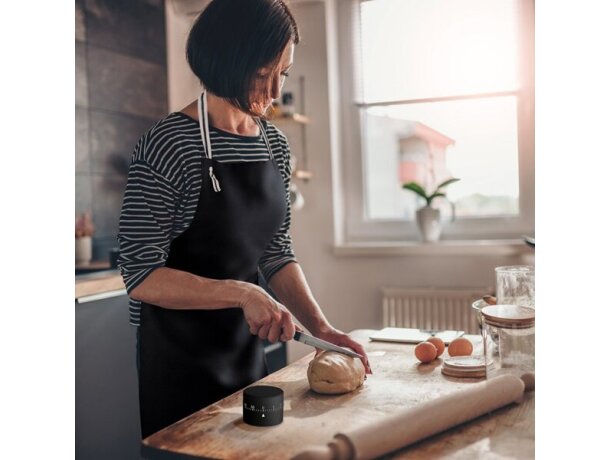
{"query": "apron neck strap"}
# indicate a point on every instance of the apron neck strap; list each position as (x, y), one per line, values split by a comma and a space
(202, 109)
(264, 133)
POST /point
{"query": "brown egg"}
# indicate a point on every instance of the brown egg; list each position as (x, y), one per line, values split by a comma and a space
(425, 352)
(438, 343)
(460, 347)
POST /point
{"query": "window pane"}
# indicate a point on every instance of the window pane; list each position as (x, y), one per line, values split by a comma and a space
(475, 140)
(414, 49)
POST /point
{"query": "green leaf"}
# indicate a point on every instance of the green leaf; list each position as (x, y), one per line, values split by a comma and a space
(446, 183)
(436, 195)
(415, 187)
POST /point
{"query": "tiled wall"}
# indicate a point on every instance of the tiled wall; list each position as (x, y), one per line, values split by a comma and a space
(121, 90)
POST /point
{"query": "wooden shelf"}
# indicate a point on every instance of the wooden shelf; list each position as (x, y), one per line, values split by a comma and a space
(295, 118)
(301, 170)
(302, 174)
(94, 265)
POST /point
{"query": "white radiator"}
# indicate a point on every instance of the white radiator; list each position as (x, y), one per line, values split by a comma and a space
(431, 308)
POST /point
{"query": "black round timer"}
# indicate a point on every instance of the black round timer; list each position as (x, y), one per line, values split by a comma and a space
(263, 405)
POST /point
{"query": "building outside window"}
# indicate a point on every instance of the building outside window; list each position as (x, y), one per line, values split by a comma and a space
(438, 89)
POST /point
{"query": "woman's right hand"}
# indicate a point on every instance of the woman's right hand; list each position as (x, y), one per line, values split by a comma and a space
(266, 318)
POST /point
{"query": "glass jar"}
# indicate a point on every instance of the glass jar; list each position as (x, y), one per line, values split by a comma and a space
(515, 285)
(508, 339)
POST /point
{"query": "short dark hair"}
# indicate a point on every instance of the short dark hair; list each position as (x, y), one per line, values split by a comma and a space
(232, 39)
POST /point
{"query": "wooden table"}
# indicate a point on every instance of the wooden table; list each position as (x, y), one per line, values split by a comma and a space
(399, 381)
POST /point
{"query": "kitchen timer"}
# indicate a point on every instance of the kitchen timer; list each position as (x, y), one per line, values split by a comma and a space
(263, 405)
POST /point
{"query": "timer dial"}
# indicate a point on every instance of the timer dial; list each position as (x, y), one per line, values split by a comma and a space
(263, 405)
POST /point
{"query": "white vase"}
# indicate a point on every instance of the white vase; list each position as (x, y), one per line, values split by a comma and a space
(429, 223)
(82, 250)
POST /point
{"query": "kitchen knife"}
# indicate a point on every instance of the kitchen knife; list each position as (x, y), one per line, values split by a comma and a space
(323, 344)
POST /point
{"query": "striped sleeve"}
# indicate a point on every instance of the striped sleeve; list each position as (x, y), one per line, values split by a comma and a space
(145, 228)
(279, 252)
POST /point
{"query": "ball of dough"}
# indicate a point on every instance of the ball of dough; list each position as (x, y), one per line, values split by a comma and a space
(334, 373)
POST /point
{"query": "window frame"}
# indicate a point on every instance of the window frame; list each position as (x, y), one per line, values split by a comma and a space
(357, 227)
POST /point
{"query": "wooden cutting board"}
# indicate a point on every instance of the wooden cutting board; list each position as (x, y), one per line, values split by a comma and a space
(398, 382)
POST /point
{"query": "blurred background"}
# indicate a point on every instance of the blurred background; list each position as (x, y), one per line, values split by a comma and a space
(389, 91)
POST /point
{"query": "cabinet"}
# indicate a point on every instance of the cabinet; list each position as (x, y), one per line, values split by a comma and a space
(107, 411)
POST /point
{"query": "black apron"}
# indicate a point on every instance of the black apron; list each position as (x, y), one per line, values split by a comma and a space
(189, 359)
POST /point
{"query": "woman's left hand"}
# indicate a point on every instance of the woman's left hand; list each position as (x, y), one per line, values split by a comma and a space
(337, 337)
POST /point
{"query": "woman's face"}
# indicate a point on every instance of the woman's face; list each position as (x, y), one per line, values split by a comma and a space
(269, 81)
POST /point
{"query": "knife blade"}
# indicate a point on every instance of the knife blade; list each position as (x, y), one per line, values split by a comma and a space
(323, 344)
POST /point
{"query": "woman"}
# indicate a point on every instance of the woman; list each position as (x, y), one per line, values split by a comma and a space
(205, 209)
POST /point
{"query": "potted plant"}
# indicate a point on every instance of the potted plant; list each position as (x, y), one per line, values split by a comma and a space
(429, 218)
(84, 230)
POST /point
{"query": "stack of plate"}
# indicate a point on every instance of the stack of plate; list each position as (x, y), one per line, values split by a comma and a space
(465, 366)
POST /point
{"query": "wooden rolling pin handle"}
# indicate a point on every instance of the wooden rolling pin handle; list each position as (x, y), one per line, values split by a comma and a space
(340, 448)
(529, 380)
(316, 453)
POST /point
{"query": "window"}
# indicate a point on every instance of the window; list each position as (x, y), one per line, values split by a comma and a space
(439, 89)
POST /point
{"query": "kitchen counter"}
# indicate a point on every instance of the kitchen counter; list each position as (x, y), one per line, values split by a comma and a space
(98, 283)
(310, 419)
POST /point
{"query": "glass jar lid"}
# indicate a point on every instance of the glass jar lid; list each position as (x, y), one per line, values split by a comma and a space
(516, 269)
(509, 316)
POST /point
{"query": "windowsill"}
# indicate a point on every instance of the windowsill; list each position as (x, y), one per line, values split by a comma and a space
(442, 248)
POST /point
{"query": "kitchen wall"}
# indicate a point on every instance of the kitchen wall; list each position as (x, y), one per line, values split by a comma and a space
(347, 287)
(121, 90)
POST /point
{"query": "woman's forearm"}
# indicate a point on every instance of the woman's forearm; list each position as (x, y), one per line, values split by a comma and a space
(176, 289)
(291, 288)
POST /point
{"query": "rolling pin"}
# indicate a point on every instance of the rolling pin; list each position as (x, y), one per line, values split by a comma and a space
(416, 423)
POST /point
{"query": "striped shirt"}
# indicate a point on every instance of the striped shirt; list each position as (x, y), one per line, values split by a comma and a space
(163, 189)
